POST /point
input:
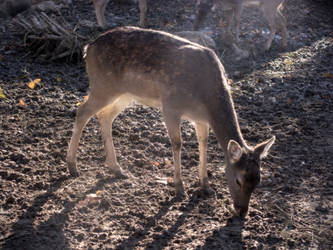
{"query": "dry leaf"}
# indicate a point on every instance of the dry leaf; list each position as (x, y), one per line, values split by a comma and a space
(328, 75)
(32, 84)
(99, 192)
(288, 101)
(170, 181)
(2, 95)
(85, 98)
(156, 164)
(168, 163)
(59, 79)
(22, 103)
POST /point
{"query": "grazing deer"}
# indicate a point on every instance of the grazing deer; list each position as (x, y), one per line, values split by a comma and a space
(271, 9)
(100, 6)
(184, 80)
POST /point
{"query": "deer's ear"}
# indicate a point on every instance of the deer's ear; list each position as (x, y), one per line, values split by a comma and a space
(263, 148)
(234, 151)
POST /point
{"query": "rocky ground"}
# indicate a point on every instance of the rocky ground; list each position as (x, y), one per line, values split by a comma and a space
(287, 93)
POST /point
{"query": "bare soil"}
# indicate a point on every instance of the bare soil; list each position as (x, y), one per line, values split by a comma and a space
(288, 93)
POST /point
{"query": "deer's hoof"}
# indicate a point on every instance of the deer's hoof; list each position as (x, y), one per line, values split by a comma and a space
(267, 47)
(73, 170)
(240, 211)
(180, 193)
(180, 196)
(142, 24)
(119, 173)
(207, 191)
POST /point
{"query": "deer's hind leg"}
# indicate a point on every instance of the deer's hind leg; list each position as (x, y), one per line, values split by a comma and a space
(230, 14)
(105, 118)
(85, 111)
(100, 6)
(238, 9)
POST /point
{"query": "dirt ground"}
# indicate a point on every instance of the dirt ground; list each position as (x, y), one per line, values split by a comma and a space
(287, 93)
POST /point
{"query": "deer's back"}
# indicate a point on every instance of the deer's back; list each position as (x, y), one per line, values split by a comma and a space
(144, 50)
(150, 64)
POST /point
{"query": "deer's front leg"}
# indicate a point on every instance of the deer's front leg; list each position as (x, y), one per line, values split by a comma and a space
(100, 6)
(202, 10)
(202, 131)
(172, 122)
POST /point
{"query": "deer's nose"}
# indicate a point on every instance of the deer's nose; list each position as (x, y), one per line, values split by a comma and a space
(241, 211)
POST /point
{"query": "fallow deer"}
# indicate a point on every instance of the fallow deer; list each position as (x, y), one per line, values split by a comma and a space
(100, 6)
(184, 80)
(270, 8)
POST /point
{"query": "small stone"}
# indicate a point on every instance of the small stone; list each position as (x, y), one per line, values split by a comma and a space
(272, 99)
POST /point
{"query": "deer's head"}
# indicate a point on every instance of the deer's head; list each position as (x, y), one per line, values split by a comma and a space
(243, 172)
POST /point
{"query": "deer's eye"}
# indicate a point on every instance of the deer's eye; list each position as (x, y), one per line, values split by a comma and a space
(238, 183)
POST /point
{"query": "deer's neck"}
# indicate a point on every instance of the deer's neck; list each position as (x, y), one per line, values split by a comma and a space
(224, 123)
